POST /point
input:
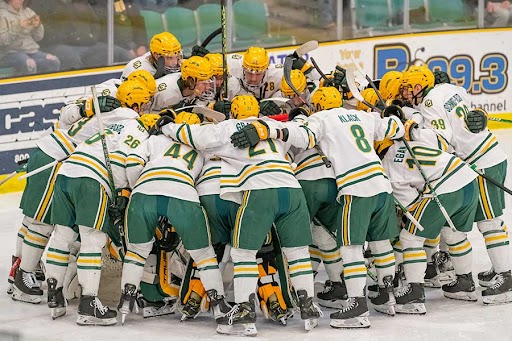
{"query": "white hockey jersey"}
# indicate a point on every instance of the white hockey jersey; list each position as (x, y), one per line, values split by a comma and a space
(140, 63)
(347, 137)
(209, 180)
(263, 166)
(62, 142)
(443, 109)
(168, 93)
(446, 172)
(162, 166)
(88, 160)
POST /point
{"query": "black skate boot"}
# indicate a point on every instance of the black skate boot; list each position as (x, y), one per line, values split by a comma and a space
(485, 277)
(56, 301)
(192, 307)
(160, 308)
(26, 287)
(385, 302)
(128, 301)
(445, 266)
(240, 320)
(373, 289)
(218, 304)
(309, 312)
(462, 288)
(411, 299)
(432, 276)
(40, 272)
(92, 312)
(354, 315)
(334, 295)
(500, 290)
(12, 274)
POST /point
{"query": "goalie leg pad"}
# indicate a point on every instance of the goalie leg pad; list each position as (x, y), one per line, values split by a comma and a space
(271, 299)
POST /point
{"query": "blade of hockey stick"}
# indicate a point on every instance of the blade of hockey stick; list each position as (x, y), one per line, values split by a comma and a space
(306, 48)
(365, 75)
(355, 90)
(212, 114)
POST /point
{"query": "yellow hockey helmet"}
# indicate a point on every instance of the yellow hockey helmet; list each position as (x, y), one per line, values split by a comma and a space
(325, 98)
(256, 59)
(144, 77)
(418, 75)
(389, 86)
(298, 80)
(370, 96)
(216, 61)
(165, 44)
(185, 117)
(197, 68)
(148, 120)
(133, 93)
(244, 106)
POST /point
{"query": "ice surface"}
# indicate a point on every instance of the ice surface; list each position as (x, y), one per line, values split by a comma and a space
(445, 319)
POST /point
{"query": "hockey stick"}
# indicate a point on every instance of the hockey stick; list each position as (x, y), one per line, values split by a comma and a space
(305, 48)
(211, 36)
(287, 77)
(409, 215)
(497, 119)
(492, 181)
(22, 167)
(355, 90)
(216, 116)
(224, 49)
(40, 169)
(328, 82)
(370, 81)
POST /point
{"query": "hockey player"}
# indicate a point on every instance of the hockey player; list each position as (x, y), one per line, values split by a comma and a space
(366, 209)
(389, 85)
(300, 83)
(446, 108)
(221, 104)
(162, 163)
(163, 46)
(84, 189)
(194, 84)
(263, 182)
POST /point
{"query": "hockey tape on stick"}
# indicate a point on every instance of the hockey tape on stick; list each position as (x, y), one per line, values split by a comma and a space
(224, 49)
(306, 48)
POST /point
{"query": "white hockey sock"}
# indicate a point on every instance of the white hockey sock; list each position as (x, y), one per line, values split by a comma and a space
(246, 272)
(397, 250)
(22, 232)
(431, 246)
(384, 257)
(134, 261)
(206, 262)
(496, 242)
(460, 250)
(89, 259)
(58, 253)
(34, 243)
(354, 271)
(316, 257)
(415, 259)
(299, 268)
(442, 244)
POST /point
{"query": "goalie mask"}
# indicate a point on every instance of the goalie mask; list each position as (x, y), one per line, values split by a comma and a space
(167, 46)
(244, 106)
(255, 65)
(325, 98)
(415, 81)
(133, 95)
(197, 73)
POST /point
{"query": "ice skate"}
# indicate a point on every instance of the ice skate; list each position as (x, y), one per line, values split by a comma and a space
(334, 295)
(354, 315)
(192, 308)
(445, 266)
(240, 320)
(462, 288)
(12, 273)
(152, 309)
(128, 301)
(500, 291)
(91, 312)
(309, 312)
(384, 302)
(432, 279)
(26, 287)
(56, 301)
(485, 278)
(411, 299)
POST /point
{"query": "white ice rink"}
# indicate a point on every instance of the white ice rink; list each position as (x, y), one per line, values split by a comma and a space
(445, 319)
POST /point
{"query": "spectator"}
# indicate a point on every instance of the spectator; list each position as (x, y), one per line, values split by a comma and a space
(497, 13)
(327, 12)
(74, 33)
(20, 30)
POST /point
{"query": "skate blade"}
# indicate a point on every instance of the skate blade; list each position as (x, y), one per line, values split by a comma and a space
(22, 297)
(447, 276)
(356, 322)
(462, 296)
(411, 308)
(57, 312)
(84, 320)
(246, 329)
(310, 324)
(385, 309)
(10, 289)
(153, 312)
(433, 283)
(333, 304)
(504, 298)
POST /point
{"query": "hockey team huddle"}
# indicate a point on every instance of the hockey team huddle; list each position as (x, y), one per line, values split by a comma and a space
(226, 191)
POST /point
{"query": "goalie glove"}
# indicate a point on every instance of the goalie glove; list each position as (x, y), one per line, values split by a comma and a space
(122, 197)
(106, 104)
(476, 120)
(269, 108)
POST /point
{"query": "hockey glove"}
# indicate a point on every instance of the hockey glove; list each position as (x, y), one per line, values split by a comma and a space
(121, 201)
(299, 111)
(199, 51)
(250, 135)
(441, 77)
(476, 120)
(394, 110)
(223, 106)
(269, 108)
(106, 104)
(410, 126)
(340, 79)
(162, 121)
(168, 239)
(301, 64)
